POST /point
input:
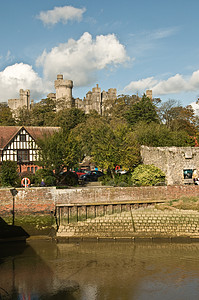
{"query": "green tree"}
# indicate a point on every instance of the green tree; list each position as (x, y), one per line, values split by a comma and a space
(69, 118)
(6, 118)
(52, 153)
(159, 135)
(121, 105)
(58, 152)
(128, 150)
(43, 113)
(143, 110)
(108, 144)
(8, 174)
(24, 117)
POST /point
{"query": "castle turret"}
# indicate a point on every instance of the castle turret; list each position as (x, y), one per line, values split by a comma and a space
(64, 91)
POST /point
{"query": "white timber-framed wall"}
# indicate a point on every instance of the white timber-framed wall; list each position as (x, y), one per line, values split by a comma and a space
(21, 148)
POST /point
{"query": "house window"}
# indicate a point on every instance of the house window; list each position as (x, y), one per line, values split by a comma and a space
(23, 155)
(188, 173)
(22, 138)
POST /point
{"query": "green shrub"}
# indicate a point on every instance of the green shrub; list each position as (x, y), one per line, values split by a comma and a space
(107, 180)
(146, 175)
(8, 174)
(46, 175)
(118, 180)
(50, 180)
(123, 179)
(111, 182)
(69, 178)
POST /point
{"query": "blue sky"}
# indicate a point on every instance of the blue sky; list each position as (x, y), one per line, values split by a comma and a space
(128, 45)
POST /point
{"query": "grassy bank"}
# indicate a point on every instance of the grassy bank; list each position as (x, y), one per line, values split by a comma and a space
(185, 203)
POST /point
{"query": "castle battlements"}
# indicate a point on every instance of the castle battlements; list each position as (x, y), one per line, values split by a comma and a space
(100, 101)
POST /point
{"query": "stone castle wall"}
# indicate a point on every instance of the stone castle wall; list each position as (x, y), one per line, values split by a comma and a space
(23, 101)
(172, 161)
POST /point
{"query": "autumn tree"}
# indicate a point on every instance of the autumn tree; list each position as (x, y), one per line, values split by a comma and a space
(176, 117)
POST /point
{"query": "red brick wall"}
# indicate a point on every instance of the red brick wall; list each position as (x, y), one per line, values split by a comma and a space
(42, 200)
(27, 201)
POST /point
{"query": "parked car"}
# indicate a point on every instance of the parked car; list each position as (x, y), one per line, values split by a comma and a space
(91, 176)
(120, 171)
(80, 172)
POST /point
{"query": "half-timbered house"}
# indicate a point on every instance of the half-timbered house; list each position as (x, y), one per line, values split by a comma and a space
(20, 144)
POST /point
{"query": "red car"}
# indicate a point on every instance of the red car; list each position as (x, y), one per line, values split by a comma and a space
(80, 172)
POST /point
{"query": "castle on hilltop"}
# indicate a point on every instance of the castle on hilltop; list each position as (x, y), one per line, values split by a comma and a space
(97, 100)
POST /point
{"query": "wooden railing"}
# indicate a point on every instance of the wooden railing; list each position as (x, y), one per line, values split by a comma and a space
(67, 213)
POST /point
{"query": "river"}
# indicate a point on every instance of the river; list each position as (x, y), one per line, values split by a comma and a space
(42, 269)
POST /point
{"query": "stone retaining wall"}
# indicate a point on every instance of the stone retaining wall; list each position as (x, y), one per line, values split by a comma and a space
(35, 207)
(142, 221)
(43, 200)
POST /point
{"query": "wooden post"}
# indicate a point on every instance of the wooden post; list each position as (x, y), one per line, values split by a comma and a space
(68, 214)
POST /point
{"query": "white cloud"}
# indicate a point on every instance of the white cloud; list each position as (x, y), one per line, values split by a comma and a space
(21, 76)
(76, 60)
(173, 85)
(140, 85)
(61, 14)
(80, 60)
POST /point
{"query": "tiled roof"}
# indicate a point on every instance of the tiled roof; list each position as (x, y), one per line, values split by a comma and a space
(39, 132)
(7, 133)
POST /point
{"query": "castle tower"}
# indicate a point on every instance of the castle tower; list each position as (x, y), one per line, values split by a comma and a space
(63, 92)
(22, 102)
(96, 99)
(24, 98)
(108, 99)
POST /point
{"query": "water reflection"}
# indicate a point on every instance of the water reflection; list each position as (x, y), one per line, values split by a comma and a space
(45, 270)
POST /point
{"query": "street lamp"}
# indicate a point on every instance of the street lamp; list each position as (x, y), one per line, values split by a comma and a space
(14, 192)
